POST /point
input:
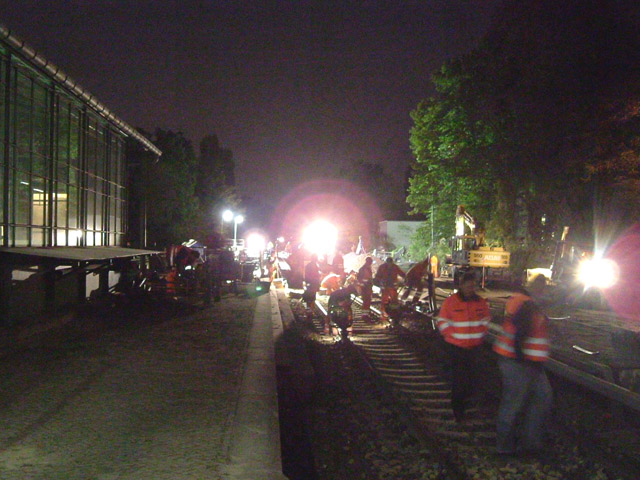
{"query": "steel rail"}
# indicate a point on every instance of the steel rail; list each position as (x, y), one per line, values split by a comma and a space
(448, 449)
(605, 387)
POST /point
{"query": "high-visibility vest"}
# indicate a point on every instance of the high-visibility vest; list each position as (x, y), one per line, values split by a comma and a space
(463, 323)
(535, 347)
(172, 280)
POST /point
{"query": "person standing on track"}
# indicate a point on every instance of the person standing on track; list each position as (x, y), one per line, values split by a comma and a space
(462, 321)
(386, 277)
(341, 298)
(414, 277)
(523, 347)
(312, 277)
(365, 279)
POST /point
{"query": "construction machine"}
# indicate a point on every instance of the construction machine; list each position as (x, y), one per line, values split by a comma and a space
(468, 249)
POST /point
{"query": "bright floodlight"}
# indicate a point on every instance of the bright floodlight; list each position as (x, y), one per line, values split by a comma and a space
(320, 238)
(227, 215)
(255, 244)
(238, 219)
(598, 272)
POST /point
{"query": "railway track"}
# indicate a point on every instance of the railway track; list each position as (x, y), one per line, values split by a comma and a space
(413, 375)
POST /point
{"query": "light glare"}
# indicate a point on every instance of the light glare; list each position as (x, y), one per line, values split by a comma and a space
(320, 238)
(599, 273)
(255, 244)
(227, 215)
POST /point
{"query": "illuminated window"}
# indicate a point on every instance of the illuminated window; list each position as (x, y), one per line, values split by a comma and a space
(65, 165)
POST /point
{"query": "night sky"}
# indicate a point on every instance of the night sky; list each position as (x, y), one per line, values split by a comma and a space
(294, 89)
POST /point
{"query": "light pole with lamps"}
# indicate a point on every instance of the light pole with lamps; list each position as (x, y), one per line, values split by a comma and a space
(228, 216)
(236, 220)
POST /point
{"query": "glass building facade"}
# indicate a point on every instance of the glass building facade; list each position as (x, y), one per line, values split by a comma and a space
(63, 195)
(62, 165)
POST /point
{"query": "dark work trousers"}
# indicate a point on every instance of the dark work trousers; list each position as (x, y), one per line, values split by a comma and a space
(463, 375)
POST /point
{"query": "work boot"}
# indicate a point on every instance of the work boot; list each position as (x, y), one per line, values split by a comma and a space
(327, 330)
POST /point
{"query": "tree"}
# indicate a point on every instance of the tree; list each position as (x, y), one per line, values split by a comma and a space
(526, 128)
(215, 187)
(172, 204)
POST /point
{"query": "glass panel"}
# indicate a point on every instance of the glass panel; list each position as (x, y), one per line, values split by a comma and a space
(91, 208)
(73, 206)
(91, 145)
(23, 160)
(61, 205)
(23, 121)
(1, 200)
(91, 182)
(75, 237)
(22, 198)
(40, 120)
(119, 214)
(88, 241)
(74, 138)
(62, 172)
(37, 237)
(21, 236)
(61, 237)
(101, 151)
(112, 214)
(11, 198)
(74, 177)
(39, 165)
(38, 202)
(98, 215)
(2, 93)
(63, 132)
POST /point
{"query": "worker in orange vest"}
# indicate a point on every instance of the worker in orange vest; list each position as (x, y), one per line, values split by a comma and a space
(365, 279)
(462, 321)
(386, 277)
(172, 281)
(331, 283)
(523, 347)
(414, 277)
(434, 266)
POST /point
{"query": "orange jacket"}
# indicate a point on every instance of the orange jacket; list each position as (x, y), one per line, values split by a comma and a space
(415, 273)
(463, 323)
(535, 347)
(331, 283)
(388, 273)
(172, 281)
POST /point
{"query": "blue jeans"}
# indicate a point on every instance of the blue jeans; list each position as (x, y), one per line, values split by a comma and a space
(525, 406)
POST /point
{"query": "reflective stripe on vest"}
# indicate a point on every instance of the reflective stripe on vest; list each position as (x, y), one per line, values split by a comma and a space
(465, 323)
(535, 347)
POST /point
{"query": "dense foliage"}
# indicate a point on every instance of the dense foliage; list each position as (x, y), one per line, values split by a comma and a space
(537, 128)
(183, 193)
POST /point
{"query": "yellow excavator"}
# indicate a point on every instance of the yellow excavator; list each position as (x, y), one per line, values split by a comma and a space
(468, 249)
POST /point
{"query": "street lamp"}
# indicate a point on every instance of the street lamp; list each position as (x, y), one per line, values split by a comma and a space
(236, 220)
(228, 216)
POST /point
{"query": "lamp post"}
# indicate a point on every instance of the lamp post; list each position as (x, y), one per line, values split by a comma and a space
(228, 216)
(236, 220)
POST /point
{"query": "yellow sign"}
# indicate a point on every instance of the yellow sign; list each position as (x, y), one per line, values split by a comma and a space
(489, 258)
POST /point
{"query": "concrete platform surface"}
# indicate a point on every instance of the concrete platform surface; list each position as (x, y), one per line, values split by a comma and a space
(161, 395)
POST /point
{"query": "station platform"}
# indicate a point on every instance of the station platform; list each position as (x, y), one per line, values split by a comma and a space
(247, 444)
(253, 438)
